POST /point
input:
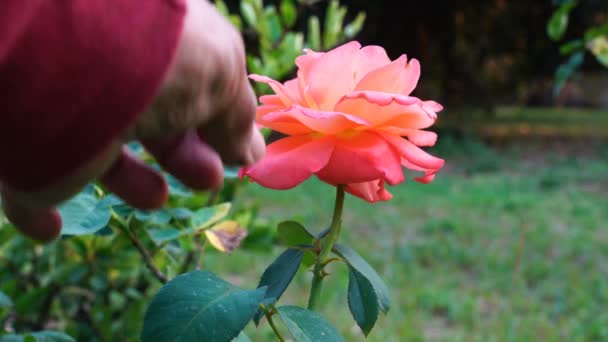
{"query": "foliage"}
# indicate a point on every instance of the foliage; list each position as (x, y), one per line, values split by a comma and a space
(594, 40)
(276, 38)
(114, 263)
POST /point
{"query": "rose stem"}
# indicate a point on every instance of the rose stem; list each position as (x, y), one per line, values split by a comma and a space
(326, 244)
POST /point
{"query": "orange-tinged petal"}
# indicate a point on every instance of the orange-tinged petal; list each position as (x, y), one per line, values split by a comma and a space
(416, 136)
(317, 121)
(361, 158)
(288, 92)
(382, 109)
(290, 161)
(289, 128)
(372, 191)
(370, 58)
(331, 75)
(398, 77)
(413, 154)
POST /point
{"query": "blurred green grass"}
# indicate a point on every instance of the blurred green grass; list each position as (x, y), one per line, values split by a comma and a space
(498, 248)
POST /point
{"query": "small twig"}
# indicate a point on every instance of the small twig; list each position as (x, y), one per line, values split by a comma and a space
(145, 255)
(268, 314)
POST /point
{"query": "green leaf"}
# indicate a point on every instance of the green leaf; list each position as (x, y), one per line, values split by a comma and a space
(352, 29)
(205, 217)
(199, 306)
(566, 70)
(39, 336)
(277, 277)
(314, 33)
(5, 301)
(248, 12)
(571, 47)
(162, 235)
(222, 8)
(181, 213)
(599, 48)
(358, 263)
(556, 27)
(291, 233)
(308, 326)
(156, 217)
(242, 338)
(333, 24)
(84, 214)
(288, 12)
(362, 301)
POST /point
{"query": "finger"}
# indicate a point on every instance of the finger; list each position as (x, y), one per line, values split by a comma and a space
(231, 132)
(189, 159)
(136, 183)
(38, 224)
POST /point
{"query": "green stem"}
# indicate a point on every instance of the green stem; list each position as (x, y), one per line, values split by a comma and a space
(325, 245)
(276, 331)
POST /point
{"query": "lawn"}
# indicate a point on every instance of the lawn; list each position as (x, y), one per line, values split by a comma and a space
(505, 245)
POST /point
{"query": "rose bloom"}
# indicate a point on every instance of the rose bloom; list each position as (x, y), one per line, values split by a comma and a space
(345, 116)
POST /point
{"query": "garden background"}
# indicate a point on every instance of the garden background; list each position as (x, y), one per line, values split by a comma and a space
(509, 243)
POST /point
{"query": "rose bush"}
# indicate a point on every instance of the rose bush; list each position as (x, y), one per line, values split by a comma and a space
(344, 116)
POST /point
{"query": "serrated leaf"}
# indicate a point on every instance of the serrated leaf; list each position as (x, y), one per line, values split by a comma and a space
(199, 306)
(181, 213)
(291, 233)
(308, 326)
(226, 236)
(358, 263)
(206, 217)
(39, 336)
(156, 217)
(84, 214)
(5, 301)
(362, 301)
(162, 235)
(278, 275)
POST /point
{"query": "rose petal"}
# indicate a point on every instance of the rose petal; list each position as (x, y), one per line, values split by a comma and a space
(416, 136)
(398, 77)
(289, 128)
(290, 161)
(382, 108)
(288, 92)
(361, 158)
(413, 153)
(370, 58)
(317, 121)
(372, 191)
(331, 75)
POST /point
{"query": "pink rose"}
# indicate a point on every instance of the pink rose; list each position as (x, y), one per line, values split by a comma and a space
(345, 115)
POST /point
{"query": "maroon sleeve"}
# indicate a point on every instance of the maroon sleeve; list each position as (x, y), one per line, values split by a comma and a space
(73, 75)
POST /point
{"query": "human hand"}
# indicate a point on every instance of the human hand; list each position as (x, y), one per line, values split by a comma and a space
(202, 116)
